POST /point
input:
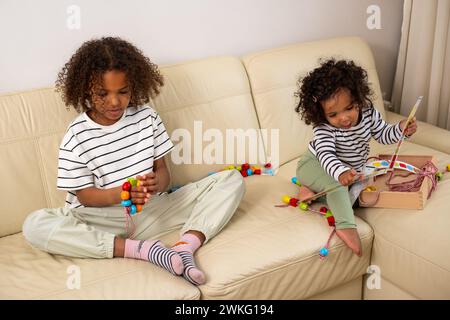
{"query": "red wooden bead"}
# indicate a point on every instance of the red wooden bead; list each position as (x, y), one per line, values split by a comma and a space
(244, 173)
(245, 166)
(257, 171)
(293, 202)
(126, 186)
(268, 165)
(331, 221)
(323, 210)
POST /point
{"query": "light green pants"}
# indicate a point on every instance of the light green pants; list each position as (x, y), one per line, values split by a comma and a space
(311, 174)
(205, 206)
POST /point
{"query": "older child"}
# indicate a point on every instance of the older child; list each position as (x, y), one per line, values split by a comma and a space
(117, 136)
(336, 99)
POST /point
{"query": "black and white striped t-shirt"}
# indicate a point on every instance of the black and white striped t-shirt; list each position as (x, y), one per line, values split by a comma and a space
(339, 150)
(92, 155)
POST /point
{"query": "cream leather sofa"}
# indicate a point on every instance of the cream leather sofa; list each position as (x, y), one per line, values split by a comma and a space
(264, 252)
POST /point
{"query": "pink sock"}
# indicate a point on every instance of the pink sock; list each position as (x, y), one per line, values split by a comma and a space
(186, 247)
(188, 242)
(155, 252)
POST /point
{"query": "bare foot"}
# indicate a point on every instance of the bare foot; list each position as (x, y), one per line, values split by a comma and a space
(351, 239)
(305, 193)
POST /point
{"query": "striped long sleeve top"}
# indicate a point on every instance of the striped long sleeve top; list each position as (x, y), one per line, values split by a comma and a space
(339, 150)
(92, 155)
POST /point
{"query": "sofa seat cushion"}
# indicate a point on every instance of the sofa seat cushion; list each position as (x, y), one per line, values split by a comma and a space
(28, 273)
(412, 247)
(272, 253)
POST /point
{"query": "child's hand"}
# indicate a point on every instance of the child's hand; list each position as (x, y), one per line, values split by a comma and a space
(347, 177)
(139, 195)
(412, 127)
(150, 181)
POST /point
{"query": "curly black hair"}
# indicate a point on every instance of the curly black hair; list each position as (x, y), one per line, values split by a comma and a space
(321, 83)
(95, 57)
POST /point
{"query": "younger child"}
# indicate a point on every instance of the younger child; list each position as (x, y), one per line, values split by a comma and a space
(336, 99)
(118, 136)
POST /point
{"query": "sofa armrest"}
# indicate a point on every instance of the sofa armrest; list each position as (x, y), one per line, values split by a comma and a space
(427, 135)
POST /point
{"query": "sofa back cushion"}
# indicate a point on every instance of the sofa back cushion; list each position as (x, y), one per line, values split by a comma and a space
(273, 78)
(31, 127)
(203, 104)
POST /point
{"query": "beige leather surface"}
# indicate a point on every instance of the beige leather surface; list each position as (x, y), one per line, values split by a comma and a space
(272, 253)
(427, 134)
(28, 273)
(386, 291)
(412, 247)
(351, 290)
(214, 93)
(273, 76)
(32, 125)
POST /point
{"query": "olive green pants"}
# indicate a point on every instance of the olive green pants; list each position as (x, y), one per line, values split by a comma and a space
(311, 174)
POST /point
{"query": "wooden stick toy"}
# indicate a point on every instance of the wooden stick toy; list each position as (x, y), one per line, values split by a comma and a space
(409, 119)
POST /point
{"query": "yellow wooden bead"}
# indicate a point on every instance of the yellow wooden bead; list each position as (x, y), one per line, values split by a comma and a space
(448, 167)
(286, 199)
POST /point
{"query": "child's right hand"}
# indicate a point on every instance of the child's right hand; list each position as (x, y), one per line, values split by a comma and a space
(139, 195)
(347, 177)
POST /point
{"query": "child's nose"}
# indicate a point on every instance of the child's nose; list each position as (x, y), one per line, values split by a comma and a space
(114, 101)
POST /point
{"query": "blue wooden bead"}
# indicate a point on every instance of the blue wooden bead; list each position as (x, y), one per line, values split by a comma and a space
(295, 181)
(133, 209)
(324, 252)
(126, 203)
(249, 172)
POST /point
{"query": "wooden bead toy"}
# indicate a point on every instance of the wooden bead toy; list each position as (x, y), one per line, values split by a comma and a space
(295, 181)
(286, 199)
(323, 252)
(246, 170)
(303, 206)
(324, 211)
(125, 195)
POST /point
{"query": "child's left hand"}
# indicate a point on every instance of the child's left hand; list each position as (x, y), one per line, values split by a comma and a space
(150, 181)
(412, 127)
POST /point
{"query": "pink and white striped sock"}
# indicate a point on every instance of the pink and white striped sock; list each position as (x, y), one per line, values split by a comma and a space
(186, 248)
(155, 252)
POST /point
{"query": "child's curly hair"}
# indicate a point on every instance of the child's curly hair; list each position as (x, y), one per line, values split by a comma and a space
(324, 81)
(95, 57)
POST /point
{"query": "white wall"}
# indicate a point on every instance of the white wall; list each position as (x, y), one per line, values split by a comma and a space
(35, 41)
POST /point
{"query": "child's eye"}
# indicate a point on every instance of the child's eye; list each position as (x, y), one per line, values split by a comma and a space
(101, 94)
(123, 92)
(332, 115)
